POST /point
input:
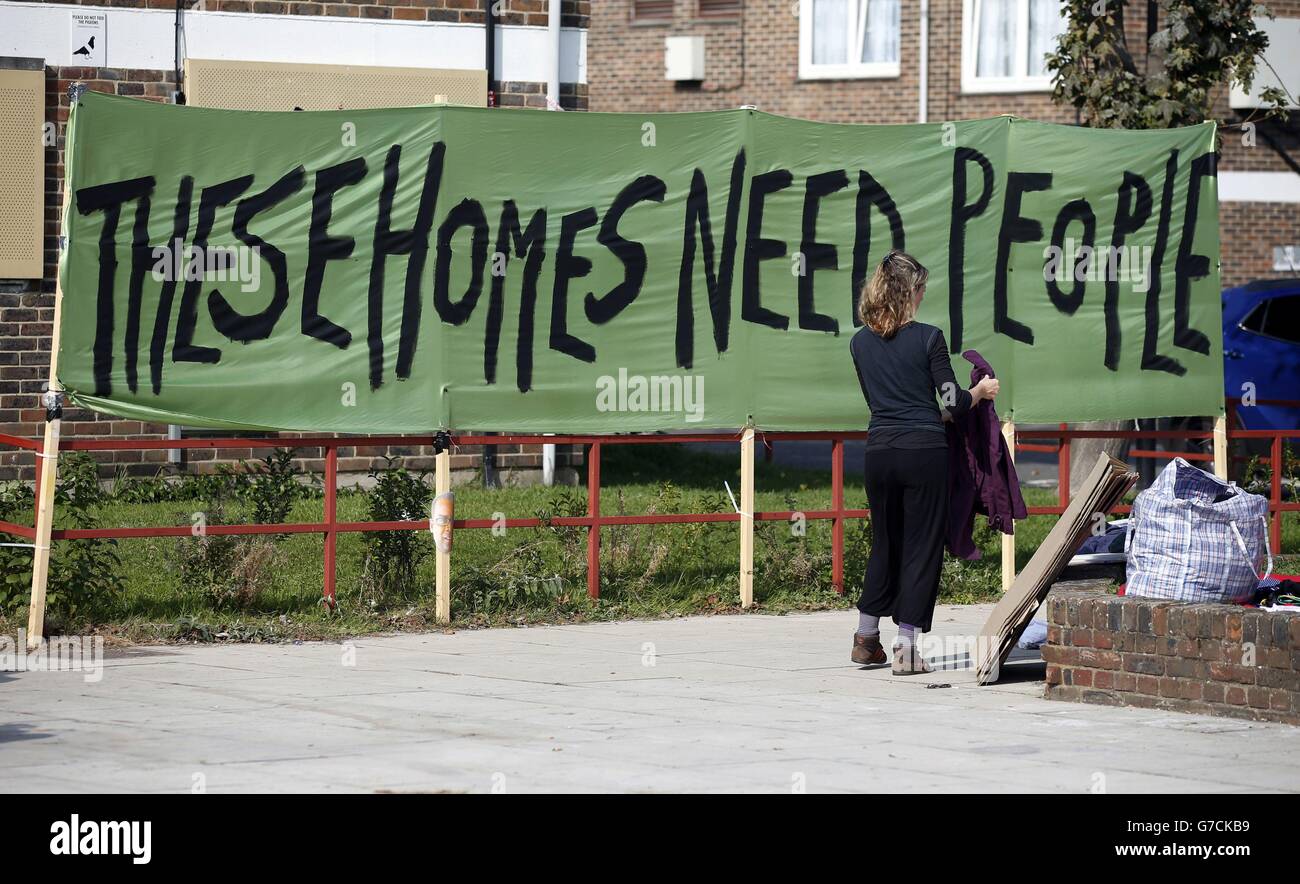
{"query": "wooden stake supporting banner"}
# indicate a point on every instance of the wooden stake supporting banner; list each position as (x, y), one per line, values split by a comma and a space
(1221, 446)
(47, 466)
(1009, 540)
(47, 463)
(442, 560)
(593, 510)
(837, 504)
(747, 518)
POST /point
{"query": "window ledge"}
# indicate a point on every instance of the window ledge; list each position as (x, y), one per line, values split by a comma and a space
(993, 85)
(875, 71)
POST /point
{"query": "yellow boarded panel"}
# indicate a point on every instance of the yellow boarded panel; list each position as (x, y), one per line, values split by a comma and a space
(257, 85)
(22, 173)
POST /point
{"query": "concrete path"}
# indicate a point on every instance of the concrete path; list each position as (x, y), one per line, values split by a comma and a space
(733, 703)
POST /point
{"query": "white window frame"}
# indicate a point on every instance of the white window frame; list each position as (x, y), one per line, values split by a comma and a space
(1020, 81)
(851, 70)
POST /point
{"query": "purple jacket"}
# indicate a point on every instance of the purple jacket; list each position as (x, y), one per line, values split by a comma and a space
(981, 477)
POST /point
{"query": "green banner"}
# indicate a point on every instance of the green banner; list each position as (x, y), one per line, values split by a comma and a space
(403, 270)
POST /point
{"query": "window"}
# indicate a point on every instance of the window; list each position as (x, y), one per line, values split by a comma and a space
(1004, 44)
(1254, 320)
(652, 10)
(842, 39)
(719, 8)
(1276, 318)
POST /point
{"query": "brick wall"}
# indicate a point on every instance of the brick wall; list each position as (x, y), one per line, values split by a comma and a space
(753, 58)
(27, 306)
(1210, 659)
(1248, 233)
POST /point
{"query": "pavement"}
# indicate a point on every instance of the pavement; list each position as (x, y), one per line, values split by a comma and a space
(753, 703)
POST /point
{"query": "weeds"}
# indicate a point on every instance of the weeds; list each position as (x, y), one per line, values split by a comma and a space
(392, 557)
(1258, 476)
(270, 487)
(226, 570)
(85, 575)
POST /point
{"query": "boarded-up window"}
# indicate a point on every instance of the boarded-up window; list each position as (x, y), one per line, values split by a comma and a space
(719, 8)
(258, 85)
(652, 10)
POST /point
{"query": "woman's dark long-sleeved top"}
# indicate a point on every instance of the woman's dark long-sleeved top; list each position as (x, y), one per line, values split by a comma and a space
(900, 378)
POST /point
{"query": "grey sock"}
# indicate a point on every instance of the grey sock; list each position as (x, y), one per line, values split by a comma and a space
(906, 633)
(868, 625)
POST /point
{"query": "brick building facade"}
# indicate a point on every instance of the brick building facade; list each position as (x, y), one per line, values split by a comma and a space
(27, 306)
(752, 56)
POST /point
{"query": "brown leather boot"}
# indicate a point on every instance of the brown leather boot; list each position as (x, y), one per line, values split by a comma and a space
(908, 661)
(867, 650)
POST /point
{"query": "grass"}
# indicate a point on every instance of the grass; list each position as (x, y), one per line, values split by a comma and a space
(537, 575)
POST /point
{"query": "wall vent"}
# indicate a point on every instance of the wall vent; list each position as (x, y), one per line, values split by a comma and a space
(22, 168)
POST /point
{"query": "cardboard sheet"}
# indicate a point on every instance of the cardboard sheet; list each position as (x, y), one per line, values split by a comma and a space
(1106, 486)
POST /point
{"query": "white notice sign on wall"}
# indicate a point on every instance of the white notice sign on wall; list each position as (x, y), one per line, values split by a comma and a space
(87, 36)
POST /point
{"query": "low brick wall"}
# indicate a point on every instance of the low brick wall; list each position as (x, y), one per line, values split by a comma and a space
(1210, 659)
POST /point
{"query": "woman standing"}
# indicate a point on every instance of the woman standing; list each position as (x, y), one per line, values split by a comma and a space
(902, 364)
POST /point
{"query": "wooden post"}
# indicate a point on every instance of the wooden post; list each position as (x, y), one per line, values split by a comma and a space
(442, 561)
(331, 523)
(837, 526)
(47, 467)
(747, 518)
(1275, 496)
(593, 510)
(1221, 446)
(1062, 470)
(1009, 540)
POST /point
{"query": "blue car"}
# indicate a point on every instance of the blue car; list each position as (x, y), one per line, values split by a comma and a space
(1261, 346)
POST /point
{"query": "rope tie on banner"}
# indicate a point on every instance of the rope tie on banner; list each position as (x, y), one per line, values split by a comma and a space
(25, 545)
(758, 434)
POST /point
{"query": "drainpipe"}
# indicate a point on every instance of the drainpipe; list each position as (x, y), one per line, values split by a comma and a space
(552, 103)
(553, 39)
(491, 478)
(548, 462)
(923, 73)
(490, 47)
(173, 454)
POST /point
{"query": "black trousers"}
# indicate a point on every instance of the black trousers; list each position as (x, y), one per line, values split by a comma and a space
(907, 492)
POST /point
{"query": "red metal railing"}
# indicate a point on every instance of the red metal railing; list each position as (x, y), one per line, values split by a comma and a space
(330, 527)
(1062, 437)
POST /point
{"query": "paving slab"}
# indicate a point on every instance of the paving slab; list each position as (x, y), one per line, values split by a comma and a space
(749, 703)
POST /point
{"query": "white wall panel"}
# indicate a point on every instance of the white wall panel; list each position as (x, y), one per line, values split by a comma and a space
(143, 38)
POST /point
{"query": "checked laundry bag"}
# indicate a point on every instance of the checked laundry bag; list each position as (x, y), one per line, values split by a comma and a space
(1195, 538)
